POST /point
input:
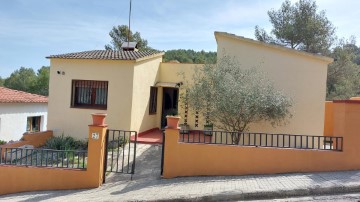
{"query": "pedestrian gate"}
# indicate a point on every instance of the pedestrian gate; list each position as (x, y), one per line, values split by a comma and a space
(120, 152)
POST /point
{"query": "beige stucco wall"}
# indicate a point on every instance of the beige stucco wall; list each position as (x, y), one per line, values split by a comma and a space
(146, 74)
(74, 121)
(173, 72)
(299, 75)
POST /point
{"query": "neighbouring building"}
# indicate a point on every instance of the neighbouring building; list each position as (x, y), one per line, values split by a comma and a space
(136, 88)
(21, 112)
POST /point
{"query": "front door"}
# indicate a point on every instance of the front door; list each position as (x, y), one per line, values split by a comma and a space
(169, 102)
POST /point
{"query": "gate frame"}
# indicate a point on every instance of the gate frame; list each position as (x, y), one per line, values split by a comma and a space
(106, 153)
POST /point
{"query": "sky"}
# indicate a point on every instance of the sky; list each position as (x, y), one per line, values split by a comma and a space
(30, 30)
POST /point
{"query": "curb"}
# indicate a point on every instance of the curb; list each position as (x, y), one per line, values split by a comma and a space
(278, 194)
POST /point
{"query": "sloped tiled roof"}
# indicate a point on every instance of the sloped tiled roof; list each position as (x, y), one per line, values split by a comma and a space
(8, 95)
(109, 55)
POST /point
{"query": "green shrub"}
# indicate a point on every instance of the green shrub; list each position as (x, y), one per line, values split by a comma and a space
(65, 143)
(2, 142)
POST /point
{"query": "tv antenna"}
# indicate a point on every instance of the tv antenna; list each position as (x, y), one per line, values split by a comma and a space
(129, 26)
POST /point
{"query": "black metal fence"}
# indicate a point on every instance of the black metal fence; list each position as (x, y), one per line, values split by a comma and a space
(43, 158)
(120, 152)
(263, 140)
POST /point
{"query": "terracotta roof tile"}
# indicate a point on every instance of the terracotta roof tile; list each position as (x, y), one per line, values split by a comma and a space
(8, 95)
(108, 55)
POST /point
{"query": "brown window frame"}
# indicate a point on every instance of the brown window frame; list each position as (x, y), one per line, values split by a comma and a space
(30, 122)
(89, 94)
(153, 100)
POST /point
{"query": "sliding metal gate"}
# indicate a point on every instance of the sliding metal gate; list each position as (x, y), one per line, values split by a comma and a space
(120, 152)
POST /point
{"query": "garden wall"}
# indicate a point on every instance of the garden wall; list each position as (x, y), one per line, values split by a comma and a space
(22, 178)
(184, 159)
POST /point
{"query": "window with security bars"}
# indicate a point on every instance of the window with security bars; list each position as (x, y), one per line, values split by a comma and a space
(153, 100)
(89, 94)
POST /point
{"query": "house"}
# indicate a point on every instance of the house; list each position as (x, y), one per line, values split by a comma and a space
(136, 88)
(21, 112)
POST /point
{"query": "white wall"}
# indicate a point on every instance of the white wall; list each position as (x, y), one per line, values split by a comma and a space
(13, 118)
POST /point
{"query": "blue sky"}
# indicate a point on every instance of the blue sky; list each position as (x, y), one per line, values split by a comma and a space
(30, 30)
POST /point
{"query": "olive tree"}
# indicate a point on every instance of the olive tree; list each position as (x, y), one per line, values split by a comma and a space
(231, 97)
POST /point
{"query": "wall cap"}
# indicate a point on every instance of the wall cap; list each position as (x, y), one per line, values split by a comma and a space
(347, 101)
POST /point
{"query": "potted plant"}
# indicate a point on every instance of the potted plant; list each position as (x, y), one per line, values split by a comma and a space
(208, 128)
(172, 118)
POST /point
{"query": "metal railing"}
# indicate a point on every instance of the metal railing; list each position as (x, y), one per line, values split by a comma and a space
(263, 140)
(43, 158)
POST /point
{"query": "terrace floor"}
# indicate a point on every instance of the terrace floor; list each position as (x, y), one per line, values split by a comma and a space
(153, 136)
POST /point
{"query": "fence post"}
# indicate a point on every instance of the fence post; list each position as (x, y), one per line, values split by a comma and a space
(95, 162)
(172, 137)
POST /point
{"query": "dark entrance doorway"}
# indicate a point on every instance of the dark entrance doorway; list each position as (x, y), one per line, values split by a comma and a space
(170, 102)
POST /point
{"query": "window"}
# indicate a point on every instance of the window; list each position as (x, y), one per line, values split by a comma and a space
(153, 100)
(33, 124)
(89, 94)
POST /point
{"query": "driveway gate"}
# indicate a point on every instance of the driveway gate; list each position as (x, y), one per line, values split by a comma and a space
(120, 152)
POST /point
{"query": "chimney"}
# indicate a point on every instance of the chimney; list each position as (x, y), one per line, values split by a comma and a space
(129, 46)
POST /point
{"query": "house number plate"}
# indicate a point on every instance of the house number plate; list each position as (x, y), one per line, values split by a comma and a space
(95, 136)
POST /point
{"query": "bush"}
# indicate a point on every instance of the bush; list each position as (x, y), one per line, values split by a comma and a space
(65, 143)
(2, 142)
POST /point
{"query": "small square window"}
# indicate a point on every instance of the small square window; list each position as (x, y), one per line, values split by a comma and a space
(153, 100)
(89, 94)
(33, 124)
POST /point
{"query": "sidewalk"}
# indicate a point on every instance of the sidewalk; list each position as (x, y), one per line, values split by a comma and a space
(148, 186)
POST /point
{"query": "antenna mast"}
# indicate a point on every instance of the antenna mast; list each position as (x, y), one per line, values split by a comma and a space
(129, 25)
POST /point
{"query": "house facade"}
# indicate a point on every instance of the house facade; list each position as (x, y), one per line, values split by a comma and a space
(136, 89)
(21, 112)
(300, 75)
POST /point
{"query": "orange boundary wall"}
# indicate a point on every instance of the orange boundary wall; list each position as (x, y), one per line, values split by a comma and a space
(182, 159)
(36, 139)
(329, 119)
(22, 178)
